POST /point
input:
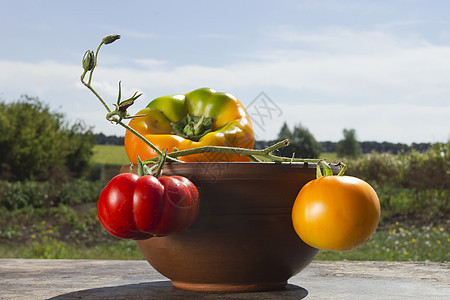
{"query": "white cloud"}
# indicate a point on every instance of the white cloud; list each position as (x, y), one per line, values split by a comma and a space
(403, 83)
(405, 75)
(149, 63)
(37, 77)
(394, 123)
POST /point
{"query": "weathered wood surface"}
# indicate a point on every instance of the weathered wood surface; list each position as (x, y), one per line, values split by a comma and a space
(103, 279)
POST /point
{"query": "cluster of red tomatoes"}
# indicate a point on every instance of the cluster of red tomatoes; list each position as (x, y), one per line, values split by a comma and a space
(139, 207)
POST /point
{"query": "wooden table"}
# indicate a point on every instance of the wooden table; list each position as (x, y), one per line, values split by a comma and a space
(121, 279)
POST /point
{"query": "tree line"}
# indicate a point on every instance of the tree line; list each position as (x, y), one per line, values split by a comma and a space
(304, 144)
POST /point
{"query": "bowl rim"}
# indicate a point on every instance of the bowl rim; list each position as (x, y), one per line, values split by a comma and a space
(231, 171)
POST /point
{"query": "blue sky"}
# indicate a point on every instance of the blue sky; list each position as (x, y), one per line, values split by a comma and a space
(379, 67)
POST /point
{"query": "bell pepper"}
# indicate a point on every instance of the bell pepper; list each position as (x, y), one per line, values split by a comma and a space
(199, 118)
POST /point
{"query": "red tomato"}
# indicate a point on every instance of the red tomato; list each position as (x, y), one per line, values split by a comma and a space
(336, 213)
(134, 207)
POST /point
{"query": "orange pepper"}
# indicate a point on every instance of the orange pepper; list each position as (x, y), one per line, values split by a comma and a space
(200, 118)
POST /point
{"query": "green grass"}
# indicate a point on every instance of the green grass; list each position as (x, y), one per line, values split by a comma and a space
(110, 155)
(328, 156)
(397, 244)
(60, 232)
(50, 248)
(426, 243)
(74, 232)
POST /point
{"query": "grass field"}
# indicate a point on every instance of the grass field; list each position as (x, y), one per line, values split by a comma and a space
(414, 244)
(398, 244)
(329, 157)
(110, 155)
(75, 232)
(423, 243)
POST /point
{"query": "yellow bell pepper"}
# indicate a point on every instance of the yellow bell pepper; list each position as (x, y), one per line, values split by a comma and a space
(200, 118)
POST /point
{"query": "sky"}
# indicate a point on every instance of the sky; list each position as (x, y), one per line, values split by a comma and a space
(379, 67)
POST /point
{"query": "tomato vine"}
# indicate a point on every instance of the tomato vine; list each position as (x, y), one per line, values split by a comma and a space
(119, 113)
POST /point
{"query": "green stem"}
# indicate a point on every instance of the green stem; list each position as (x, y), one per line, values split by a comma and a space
(95, 93)
(160, 164)
(318, 171)
(328, 170)
(95, 62)
(110, 115)
(251, 153)
(199, 123)
(343, 168)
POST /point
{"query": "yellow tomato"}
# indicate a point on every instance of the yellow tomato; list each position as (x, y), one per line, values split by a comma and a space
(336, 213)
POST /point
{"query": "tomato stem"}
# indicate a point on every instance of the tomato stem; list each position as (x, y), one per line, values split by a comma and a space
(327, 169)
(197, 126)
(160, 164)
(318, 171)
(119, 113)
(254, 154)
(343, 168)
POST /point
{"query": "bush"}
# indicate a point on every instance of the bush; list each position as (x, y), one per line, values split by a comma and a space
(410, 183)
(380, 168)
(426, 205)
(37, 143)
(47, 194)
(428, 170)
(413, 170)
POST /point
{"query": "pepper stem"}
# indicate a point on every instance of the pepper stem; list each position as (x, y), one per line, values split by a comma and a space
(192, 127)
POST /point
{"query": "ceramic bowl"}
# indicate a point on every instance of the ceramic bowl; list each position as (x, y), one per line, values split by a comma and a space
(243, 239)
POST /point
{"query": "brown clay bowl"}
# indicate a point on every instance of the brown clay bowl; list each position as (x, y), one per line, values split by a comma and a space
(243, 238)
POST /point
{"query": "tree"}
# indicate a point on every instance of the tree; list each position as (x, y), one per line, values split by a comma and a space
(285, 132)
(80, 141)
(35, 142)
(349, 146)
(302, 143)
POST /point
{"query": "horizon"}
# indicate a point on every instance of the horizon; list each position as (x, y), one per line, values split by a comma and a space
(319, 141)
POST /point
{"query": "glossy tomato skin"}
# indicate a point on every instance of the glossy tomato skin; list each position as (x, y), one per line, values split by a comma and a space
(179, 204)
(148, 203)
(192, 201)
(115, 210)
(336, 213)
(134, 207)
